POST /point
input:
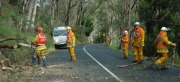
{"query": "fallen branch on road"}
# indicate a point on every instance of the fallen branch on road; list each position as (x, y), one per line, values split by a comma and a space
(127, 65)
(148, 59)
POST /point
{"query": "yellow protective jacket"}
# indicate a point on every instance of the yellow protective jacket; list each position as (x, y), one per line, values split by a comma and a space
(38, 47)
(138, 39)
(107, 40)
(162, 42)
(70, 39)
(125, 41)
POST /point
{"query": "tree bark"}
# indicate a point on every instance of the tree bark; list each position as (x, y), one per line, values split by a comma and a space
(53, 7)
(129, 16)
(29, 15)
(10, 46)
(0, 7)
(13, 38)
(68, 13)
(34, 13)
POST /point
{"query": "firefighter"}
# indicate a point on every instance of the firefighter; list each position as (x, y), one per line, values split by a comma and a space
(71, 43)
(138, 43)
(162, 43)
(125, 44)
(107, 40)
(39, 41)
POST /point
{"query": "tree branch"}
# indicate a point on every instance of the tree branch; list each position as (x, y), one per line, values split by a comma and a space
(12, 38)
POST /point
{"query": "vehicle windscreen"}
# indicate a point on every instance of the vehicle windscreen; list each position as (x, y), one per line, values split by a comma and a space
(59, 32)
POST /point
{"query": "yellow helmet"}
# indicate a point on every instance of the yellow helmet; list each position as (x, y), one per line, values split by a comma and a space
(68, 27)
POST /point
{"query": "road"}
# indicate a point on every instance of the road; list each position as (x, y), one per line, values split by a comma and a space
(98, 63)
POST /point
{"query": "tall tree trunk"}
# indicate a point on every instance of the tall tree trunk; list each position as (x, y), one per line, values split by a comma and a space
(29, 15)
(57, 12)
(68, 13)
(0, 7)
(21, 11)
(53, 4)
(129, 16)
(34, 13)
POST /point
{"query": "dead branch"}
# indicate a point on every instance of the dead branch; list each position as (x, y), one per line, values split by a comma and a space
(10, 46)
(6, 65)
(12, 38)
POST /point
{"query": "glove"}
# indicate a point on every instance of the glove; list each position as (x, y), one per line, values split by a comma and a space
(173, 44)
(142, 43)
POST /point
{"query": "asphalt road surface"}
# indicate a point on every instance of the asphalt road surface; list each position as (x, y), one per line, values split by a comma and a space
(98, 63)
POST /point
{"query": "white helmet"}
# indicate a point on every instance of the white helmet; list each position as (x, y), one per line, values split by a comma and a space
(125, 32)
(137, 23)
(164, 29)
(68, 27)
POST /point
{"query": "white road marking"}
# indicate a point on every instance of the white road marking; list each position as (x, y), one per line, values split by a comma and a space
(112, 74)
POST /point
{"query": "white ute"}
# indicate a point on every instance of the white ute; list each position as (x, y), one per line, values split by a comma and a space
(59, 37)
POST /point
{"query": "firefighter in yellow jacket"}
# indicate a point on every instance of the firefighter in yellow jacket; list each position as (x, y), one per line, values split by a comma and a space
(125, 44)
(71, 43)
(39, 41)
(138, 43)
(162, 43)
(107, 40)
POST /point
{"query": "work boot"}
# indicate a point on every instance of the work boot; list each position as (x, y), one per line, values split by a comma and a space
(164, 68)
(33, 62)
(73, 58)
(44, 62)
(125, 57)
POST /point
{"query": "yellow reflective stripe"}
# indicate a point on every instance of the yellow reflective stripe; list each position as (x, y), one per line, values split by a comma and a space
(169, 42)
(134, 53)
(140, 53)
(161, 51)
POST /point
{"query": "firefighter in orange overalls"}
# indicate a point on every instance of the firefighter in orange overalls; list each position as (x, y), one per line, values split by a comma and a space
(162, 43)
(39, 41)
(71, 43)
(125, 44)
(138, 43)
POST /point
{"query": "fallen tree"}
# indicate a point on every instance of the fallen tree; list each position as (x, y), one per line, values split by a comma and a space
(5, 63)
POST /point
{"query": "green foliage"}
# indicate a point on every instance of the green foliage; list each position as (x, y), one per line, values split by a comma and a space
(87, 24)
(81, 39)
(156, 14)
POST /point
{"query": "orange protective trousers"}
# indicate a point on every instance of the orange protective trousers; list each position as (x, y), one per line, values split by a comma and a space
(138, 53)
(162, 60)
(71, 51)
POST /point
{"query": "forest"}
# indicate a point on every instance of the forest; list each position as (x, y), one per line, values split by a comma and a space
(89, 19)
